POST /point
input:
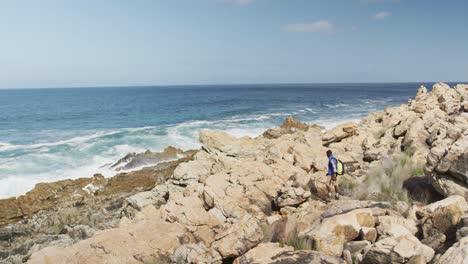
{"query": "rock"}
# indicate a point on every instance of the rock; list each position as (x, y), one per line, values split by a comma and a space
(64, 218)
(374, 154)
(289, 126)
(220, 141)
(356, 246)
(319, 185)
(396, 226)
(273, 218)
(270, 253)
(339, 133)
(398, 250)
(333, 232)
(435, 240)
(195, 254)
(462, 232)
(444, 215)
(457, 254)
(45, 196)
(134, 160)
(368, 233)
(284, 229)
(418, 259)
(347, 257)
(10, 211)
(290, 196)
(338, 207)
(263, 253)
(447, 166)
(112, 246)
(142, 199)
(306, 257)
(79, 232)
(238, 238)
(422, 91)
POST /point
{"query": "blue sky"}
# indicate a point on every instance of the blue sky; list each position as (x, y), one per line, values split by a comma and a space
(67, 43)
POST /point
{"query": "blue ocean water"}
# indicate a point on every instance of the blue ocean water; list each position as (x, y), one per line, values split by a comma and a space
(53, 134)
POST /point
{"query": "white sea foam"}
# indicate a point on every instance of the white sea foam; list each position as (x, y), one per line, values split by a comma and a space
(85, 154)
(74, 141)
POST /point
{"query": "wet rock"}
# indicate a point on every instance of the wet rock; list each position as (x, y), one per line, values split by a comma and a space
(135, 160)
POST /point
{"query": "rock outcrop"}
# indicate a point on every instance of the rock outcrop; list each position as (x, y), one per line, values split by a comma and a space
(134, 160)
(265, 200)
(289, 126)
(64, 212)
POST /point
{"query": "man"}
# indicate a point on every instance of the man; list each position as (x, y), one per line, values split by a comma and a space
(332, 186)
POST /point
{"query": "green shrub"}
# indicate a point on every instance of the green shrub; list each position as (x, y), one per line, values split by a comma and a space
(347, 187)
(298, 243)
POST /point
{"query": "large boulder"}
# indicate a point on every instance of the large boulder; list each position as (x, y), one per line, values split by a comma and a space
(448, 168)
(333, 232)
(339, 133)
(220, 141)
(270, 253)
(391, 225)
(263, 253)
(398, 250)
(130, 243)
(238, 238)
(443, 216)
(195, 254)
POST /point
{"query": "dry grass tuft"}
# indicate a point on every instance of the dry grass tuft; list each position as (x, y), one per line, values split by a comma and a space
(385, 181)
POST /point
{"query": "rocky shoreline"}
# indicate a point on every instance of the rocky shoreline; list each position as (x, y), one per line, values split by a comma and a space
(264, 200)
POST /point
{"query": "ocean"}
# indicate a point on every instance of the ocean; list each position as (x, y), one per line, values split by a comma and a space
(53, 134)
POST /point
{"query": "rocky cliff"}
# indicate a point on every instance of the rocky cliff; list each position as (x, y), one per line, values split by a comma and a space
(264, 199)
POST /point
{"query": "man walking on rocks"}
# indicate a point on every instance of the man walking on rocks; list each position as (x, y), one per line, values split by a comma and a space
(332, 186)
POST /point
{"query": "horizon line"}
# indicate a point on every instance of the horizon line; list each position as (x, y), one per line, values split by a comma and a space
(221, 84)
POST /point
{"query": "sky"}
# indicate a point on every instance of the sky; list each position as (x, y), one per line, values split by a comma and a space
(68, 43)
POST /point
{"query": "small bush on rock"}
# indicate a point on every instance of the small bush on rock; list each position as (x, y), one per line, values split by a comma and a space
(385, 181)
(298, 243)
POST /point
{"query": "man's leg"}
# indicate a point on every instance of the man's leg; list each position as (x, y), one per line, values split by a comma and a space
(330, 188)
(335, 185)
(337, 189)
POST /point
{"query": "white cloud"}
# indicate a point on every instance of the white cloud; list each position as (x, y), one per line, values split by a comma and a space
(318, 26)
(382, 15)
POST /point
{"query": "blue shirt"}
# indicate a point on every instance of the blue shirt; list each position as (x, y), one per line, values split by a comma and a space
(332, 164)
